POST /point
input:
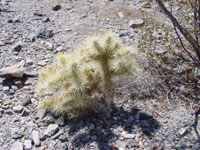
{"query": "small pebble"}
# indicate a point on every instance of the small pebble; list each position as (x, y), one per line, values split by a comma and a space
(27, 144)
(18, 109)
(36, 138)
(57, 7)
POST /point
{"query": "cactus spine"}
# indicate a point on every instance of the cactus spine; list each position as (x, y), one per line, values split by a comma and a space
(82, 80)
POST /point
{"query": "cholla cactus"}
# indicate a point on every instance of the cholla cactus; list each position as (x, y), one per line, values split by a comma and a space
(82, 80)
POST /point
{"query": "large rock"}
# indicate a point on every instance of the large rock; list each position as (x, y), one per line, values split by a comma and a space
(14, 71)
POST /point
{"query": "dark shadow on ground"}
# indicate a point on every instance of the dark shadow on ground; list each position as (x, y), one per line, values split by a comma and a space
(10, 82)
(103, 127)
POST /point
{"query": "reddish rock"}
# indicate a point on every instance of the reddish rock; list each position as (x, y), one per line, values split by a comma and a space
(18, 83)
(42, 63)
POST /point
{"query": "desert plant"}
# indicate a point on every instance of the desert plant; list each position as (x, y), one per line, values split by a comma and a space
(192, 36)
(81, 81)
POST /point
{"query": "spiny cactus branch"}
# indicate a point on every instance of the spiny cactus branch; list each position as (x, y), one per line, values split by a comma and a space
(81, 79)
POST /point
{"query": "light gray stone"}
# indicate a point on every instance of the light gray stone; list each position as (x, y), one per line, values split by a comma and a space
(51, 130)
(31, 73)
(29, 61)
(17, 146)
(49, 45)
(136, 23)
(36, 138)
(40, 114)
(27, 144)
(2, 43)
(60, 48)
(129, 136)
(18, 109)
(120, 14)
(6, 88)
(31, 37)
(160, 51)
(121, 144)
(16, 133)
(57, 135)
(183, 131)
(132, 143)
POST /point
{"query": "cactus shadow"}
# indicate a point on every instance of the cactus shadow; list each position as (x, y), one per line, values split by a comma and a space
(102, 131)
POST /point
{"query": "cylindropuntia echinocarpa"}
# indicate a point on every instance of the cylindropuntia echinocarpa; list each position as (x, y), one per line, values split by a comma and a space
(82, 80)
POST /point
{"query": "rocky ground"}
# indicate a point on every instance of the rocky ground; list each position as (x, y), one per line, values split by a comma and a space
(31, 32)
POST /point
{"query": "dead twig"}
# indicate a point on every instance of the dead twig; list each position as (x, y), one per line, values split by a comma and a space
(186, 34)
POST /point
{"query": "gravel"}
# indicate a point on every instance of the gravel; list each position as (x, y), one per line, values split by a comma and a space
(32, 32)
